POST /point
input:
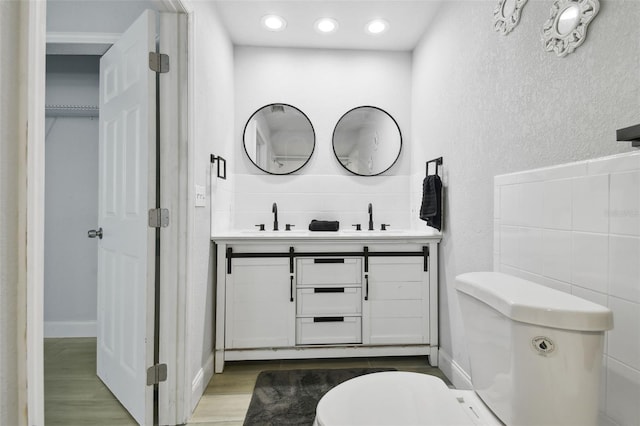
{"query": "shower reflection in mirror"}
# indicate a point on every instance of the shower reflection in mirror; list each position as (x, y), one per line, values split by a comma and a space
(367, 141)
(279, 139)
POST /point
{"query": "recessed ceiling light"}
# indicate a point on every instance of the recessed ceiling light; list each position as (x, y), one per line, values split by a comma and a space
(377, 26)
(326, 25)
(274, 22)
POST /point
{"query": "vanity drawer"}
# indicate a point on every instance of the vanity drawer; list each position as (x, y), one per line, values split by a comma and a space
(329, 301)
(329, 271)
(328, 330)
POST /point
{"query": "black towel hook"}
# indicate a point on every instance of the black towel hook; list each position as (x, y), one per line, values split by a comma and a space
(437, 161)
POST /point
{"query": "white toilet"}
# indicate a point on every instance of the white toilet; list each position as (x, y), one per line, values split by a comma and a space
(535, 354)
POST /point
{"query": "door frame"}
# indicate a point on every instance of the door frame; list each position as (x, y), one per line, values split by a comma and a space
(175, 154)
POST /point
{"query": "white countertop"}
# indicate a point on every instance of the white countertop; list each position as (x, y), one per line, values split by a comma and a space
(348, 235)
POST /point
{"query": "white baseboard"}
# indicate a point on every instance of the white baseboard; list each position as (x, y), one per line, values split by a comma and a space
(200, 382)
(460, 378)
(70, 329)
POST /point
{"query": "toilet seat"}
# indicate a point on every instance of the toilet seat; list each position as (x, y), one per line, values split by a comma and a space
(400, 399)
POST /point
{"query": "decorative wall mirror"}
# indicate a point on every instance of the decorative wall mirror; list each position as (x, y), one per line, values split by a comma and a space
(367, 141)
(506, 15)
(566, 28)
(279, 139)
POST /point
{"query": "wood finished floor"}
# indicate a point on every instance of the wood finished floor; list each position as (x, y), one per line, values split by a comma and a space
(75, 396)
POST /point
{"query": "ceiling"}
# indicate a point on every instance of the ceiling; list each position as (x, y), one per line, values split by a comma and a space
(408, 20)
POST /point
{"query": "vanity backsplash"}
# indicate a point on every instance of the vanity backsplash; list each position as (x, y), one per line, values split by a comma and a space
(301, 198)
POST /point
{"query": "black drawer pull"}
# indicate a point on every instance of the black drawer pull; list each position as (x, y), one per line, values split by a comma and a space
(329, 290)
(291, 289)
(328, 260)
(328, 319)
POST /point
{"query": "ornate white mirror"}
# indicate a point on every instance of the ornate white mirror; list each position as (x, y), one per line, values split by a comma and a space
(367, 141)
(566, 28)
(506, 15)
(279, 139)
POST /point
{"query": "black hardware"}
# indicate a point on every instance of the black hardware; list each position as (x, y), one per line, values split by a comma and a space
(365, 253)
(370, 210)
(291, 258)
(437, 161)
(366, 288)
(291, 289)
(93, 233)
(328, 290)
(229, 257)
(629, 134)
(358, 227)
(261, 226)
(220, 160)
(288, 226)
(328, 319)
(274, 210)
(425, 254)
(328, 260)
(383, 227)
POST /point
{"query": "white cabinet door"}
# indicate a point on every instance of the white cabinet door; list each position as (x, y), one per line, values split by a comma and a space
(260, 304)
(397, 307)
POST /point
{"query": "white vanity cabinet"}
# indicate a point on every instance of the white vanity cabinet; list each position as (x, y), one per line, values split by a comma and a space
(319, 295)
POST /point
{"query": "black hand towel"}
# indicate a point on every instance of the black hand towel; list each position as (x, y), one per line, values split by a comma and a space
(324, 225)
(431, 209)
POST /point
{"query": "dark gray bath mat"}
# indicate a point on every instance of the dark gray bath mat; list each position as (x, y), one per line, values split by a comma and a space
(290, 397)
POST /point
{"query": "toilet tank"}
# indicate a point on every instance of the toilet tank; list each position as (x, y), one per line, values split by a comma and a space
(535, 352)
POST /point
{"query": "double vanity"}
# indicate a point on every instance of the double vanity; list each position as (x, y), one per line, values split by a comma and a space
(302, 294)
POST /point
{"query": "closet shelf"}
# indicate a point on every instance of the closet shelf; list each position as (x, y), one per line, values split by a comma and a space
(71, 110)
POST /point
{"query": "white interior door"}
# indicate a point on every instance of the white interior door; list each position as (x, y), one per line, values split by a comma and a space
(126, 191)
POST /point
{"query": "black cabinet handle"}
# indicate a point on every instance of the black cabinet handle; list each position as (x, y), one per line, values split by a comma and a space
(291, 289)
(328, 260)
(366, 288)
(328, 319)
(329, 290)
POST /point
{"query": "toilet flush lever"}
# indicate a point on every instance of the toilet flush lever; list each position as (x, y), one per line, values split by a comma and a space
(93, 233)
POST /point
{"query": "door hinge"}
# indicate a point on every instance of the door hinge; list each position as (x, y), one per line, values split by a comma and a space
(156, 374)
(158, 218)
(159, 62)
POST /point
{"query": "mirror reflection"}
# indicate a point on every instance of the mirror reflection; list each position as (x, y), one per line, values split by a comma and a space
(279, 139)
(367, 141)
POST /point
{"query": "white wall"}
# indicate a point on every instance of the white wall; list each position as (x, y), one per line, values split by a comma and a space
(212, 117)
(10, 143)
(576, 228)
(324, 84)
(71, 199)
(491, 104)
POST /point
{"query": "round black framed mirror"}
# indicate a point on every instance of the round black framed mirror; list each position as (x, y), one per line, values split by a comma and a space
(367, 141)
(279, 139)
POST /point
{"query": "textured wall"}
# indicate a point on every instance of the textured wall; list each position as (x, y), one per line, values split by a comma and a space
(9, 154)
(492, 104)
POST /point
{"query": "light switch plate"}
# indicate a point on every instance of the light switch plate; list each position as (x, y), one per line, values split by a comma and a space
(201, 196)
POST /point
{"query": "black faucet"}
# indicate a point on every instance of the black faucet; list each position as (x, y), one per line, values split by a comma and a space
(370, 217)
(274, 210)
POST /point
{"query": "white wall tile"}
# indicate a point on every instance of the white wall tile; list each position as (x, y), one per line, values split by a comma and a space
(624, 339)
(496, 202)
(614, 163)
(623, 393)
(555, 284)
(590, 200)
(556, 254)
(589, 261)
(624, 204)
(531, 203)
(510, 206)
(510, 245)
(624, 267)
(496, 236)
(531, 249)
(557, 204)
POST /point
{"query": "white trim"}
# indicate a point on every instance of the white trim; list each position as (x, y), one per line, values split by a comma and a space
(32, 194)
(460, 378)
(200, 382)
(82, 38)
(69, 329)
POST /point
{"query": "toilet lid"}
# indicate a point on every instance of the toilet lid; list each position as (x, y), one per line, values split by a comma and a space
(391, 398)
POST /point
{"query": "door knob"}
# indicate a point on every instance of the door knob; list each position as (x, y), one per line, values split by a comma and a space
(93, 233)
